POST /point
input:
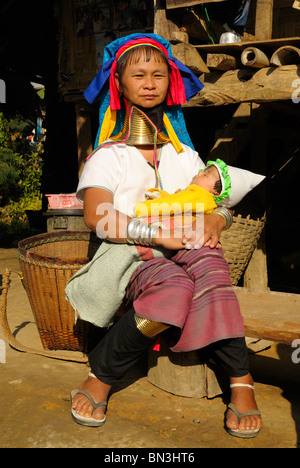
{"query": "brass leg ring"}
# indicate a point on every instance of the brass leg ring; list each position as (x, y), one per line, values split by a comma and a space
(149, 328)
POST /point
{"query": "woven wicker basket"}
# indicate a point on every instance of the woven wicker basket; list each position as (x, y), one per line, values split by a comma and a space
(239, 243)
(49, 260)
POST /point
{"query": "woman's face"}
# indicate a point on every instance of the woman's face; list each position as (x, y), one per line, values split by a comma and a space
(144, 83)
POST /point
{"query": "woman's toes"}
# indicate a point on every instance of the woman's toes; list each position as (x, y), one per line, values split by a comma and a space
(232, 420)
(79, 405)
(247, 423)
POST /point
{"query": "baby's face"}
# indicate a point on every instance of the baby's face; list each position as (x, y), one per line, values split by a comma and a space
(207, 179)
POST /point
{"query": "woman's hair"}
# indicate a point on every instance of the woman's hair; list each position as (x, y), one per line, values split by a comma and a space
(134, 55)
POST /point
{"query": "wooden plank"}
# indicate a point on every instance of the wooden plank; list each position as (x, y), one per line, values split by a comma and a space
(188, 55)
(264, 19)
(240, 46)
(222, 62)
(247, 85)
(162, 25)
(270, 315)
(296, 4)
(186, 3)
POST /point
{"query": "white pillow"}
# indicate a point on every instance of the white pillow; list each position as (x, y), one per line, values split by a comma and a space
(242, 182)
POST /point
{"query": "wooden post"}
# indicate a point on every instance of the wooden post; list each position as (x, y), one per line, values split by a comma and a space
(264, 19)
(256, 274)
(84, 134)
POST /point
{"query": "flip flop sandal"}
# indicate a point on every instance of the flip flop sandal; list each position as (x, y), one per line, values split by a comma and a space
(92, 422)
(237, 432)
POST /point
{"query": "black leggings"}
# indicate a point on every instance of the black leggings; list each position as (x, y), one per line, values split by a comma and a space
(124, 344)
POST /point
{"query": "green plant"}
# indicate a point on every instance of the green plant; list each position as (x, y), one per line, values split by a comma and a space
(20, 174)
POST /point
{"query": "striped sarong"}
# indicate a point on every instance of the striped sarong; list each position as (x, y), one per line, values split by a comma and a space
(192, 291)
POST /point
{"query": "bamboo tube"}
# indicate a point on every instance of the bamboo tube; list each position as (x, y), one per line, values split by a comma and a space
(285, 55)
(255, 58)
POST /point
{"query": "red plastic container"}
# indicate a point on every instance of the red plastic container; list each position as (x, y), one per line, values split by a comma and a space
(63, 200)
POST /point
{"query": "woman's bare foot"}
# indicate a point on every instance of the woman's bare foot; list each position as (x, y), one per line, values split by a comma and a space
(243, 398)
(99, 392)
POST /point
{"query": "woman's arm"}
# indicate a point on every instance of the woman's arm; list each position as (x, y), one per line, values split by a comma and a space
(108, 223)
(101, 217)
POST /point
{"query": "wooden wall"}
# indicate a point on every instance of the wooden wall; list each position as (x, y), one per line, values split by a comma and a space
(85, 27)
(83, 33)
(286, 19)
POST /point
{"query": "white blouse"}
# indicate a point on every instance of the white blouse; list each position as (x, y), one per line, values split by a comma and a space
(123, 171)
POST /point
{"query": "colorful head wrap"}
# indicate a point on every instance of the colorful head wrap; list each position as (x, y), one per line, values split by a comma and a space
(183, 86)
(183, 83)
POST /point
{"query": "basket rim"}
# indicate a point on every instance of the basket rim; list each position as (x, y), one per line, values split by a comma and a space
(50, 237)
(248, 219)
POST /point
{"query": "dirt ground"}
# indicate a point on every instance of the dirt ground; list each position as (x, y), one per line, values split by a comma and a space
(35, 399)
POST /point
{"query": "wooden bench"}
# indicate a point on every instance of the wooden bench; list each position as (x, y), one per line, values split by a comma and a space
(273, 316)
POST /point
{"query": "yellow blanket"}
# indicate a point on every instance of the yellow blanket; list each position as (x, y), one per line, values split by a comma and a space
(179, 203)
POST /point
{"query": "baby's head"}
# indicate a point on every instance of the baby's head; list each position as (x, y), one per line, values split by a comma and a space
(209, 179)
(215, 179)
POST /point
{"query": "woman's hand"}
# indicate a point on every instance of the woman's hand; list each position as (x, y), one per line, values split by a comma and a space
(169, 239)
(204, 232)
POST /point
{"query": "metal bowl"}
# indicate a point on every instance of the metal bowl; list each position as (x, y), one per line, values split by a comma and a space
(229, 38)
